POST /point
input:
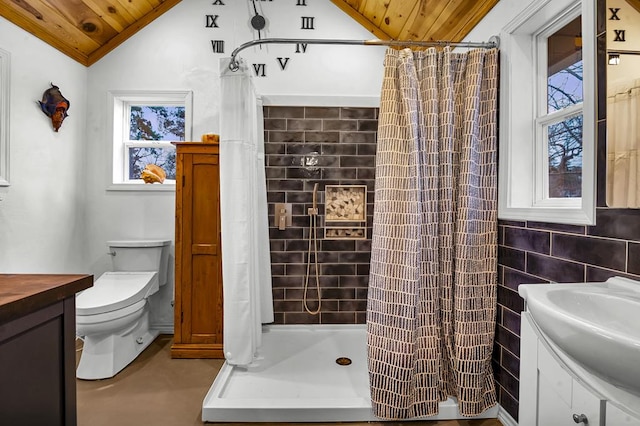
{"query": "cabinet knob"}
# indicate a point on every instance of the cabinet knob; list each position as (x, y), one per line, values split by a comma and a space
(580, 418)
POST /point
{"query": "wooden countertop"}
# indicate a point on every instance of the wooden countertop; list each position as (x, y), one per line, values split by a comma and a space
(21, 294)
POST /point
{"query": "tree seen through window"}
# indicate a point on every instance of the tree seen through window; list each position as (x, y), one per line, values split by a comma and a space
(151, 127)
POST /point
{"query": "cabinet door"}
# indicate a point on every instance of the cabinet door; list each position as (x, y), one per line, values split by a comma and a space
(617, 417)
(561, 398)
(549, 394)
(201, 268)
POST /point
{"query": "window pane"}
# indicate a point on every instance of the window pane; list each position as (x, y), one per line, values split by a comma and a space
(156, 123)
(564, 62)
(164, 157)
(565, 158)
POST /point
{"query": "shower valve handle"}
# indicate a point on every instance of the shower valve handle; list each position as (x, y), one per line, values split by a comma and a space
(282, 222)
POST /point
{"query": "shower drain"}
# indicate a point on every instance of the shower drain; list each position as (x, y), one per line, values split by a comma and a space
(343, 360)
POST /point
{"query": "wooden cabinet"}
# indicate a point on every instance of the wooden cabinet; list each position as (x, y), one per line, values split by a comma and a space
(37, 348)
(198, 267)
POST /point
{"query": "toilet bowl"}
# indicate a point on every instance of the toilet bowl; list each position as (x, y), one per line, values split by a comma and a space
(112, 317)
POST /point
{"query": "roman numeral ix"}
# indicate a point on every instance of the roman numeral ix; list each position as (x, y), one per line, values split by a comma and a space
(212, 21)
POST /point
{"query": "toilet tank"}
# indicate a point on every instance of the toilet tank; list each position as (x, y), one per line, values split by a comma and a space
(141, 255)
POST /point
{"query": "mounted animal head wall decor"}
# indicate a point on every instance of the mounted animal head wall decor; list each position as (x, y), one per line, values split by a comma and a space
(54, 105)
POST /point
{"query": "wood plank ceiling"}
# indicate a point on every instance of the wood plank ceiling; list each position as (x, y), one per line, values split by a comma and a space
(419, 20)
(86, 30)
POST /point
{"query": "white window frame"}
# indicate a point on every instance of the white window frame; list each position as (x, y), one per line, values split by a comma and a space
(544, 118)
(4, 116)
(523, 162)
(119, 104)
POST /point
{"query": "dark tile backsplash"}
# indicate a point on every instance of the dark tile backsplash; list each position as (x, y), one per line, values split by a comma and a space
(538, 253)
(346, 139)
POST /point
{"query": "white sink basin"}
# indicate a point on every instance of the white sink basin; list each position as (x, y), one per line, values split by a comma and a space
(596, 324)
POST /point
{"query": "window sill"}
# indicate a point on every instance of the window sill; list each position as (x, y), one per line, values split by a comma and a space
(551, 215)
(153, 187)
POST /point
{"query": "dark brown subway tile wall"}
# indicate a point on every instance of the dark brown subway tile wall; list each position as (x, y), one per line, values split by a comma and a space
(345, 139)
(534, 252)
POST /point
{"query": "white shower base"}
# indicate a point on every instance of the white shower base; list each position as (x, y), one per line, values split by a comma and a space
(296, 379)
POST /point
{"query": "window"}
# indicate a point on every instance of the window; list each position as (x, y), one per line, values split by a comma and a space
(547, 123)
(144, 125)
(559, 121)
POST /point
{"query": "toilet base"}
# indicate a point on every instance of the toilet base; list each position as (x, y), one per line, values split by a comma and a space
(105, 355)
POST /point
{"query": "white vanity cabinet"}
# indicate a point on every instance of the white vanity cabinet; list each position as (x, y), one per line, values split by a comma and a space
(617, 417)
(549, 395)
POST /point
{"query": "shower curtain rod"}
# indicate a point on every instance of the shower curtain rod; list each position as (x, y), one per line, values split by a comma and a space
(623, 52)
(234, 65)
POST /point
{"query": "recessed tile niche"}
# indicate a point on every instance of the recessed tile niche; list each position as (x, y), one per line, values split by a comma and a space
(345, 212)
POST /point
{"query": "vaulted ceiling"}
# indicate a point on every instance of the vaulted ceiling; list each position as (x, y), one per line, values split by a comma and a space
(86, 30)
(427, 20)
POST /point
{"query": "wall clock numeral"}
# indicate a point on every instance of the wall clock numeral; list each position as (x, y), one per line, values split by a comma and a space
(217, 46)
(212, 21)
(301, 47)
(301, 3)
(619, 35)
(614, 13)
(217, 3)
(307, 23)
(283, 62)
(260, 70)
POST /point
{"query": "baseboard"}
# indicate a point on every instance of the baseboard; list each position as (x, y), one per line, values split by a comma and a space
(505, 418)
(163, 328)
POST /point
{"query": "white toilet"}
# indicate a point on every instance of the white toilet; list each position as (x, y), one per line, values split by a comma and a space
(112, 317)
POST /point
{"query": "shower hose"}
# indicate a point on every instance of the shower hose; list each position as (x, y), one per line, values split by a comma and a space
(313, 245)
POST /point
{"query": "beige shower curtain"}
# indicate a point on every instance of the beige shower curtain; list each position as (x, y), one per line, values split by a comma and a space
(432, 288)
(623, 145)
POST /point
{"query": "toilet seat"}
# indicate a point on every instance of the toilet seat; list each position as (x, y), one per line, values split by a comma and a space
(114, 291)
(83, 320)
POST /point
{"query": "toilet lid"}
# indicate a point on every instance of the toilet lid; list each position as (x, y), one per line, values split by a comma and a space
(114, 290)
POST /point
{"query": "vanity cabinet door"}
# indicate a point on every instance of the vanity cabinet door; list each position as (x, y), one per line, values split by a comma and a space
(562, 399)
(617, 417)
(549, 394)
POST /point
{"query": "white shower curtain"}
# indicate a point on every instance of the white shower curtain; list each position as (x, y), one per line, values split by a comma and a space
(623, 146)
(246, 262)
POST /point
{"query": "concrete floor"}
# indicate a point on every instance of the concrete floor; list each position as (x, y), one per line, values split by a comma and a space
(156, 390)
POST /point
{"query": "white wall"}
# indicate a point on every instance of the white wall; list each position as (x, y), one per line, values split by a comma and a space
(174, 53)
(42, 226)
(497, 18)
